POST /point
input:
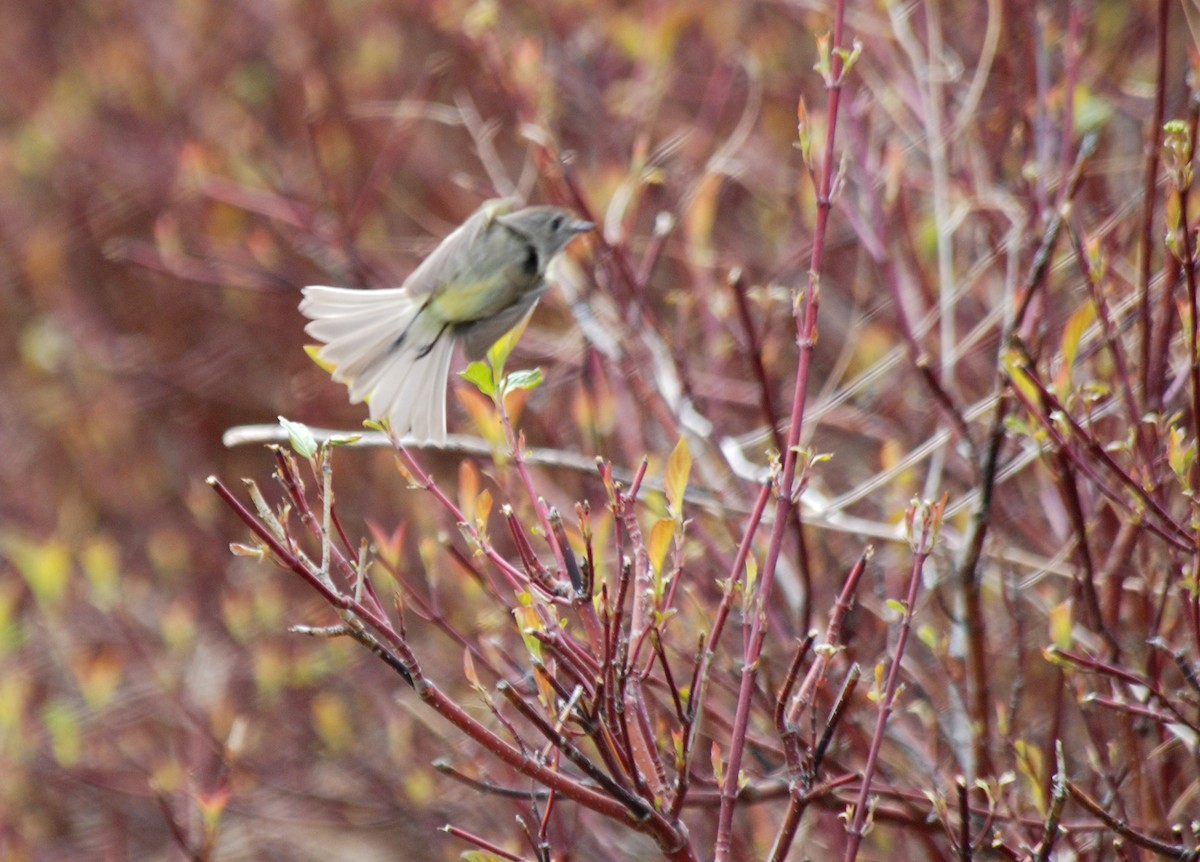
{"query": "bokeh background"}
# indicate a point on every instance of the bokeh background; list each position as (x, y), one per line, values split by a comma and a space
(171, 173)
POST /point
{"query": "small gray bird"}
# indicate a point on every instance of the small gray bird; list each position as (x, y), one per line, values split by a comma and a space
(392, 348)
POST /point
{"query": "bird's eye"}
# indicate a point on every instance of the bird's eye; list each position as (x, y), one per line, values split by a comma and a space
(556, 223)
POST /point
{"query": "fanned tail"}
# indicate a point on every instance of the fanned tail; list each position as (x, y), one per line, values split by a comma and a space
(387, 352)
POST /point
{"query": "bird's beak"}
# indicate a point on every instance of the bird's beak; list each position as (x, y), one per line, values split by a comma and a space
(580, 226)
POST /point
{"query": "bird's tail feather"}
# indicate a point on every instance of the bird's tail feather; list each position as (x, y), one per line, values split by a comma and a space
(387, 353)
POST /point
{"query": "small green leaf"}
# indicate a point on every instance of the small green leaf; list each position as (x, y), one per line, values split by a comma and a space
(750, 586)
(478, 856)
(1180, 455)
(498, 353)
(751, 573)
(824, 65)
(301, 437)
(480, 374)
(530, 379)
(803, 131)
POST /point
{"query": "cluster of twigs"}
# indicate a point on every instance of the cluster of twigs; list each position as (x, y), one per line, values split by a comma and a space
(629, 696)
(598, 716)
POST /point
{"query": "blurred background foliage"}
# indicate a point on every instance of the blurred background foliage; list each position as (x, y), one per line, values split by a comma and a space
(172, 172)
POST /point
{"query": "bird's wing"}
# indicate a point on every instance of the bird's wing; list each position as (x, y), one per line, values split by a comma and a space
(449, 260)
(477, 337)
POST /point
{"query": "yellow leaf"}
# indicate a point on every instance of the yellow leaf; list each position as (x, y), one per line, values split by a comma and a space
(1060, 625)
(177, 624)
(270, 672)
(99, 678)
(1181, 454)
(168, 551)
(46, 567)
(469, 669)
(487, 422)
(529, 622)
(15, 692)
(61, 722)
(483, 508)
(751, 574)
(546, 693)
(101, 563)
(331, 720)
(169, 777)
(660, 542)
(1077, 324)
(388, 546)
(11, 596)
(701, 216)
(1032, 767)
(1014, 365)
(679, 467)
(602, 524)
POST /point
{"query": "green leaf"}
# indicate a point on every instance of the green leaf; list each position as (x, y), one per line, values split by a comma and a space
(480, 374)
(301, 437)
(1180, 455)
(498, 353)
(530, 379)
(478, 856)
